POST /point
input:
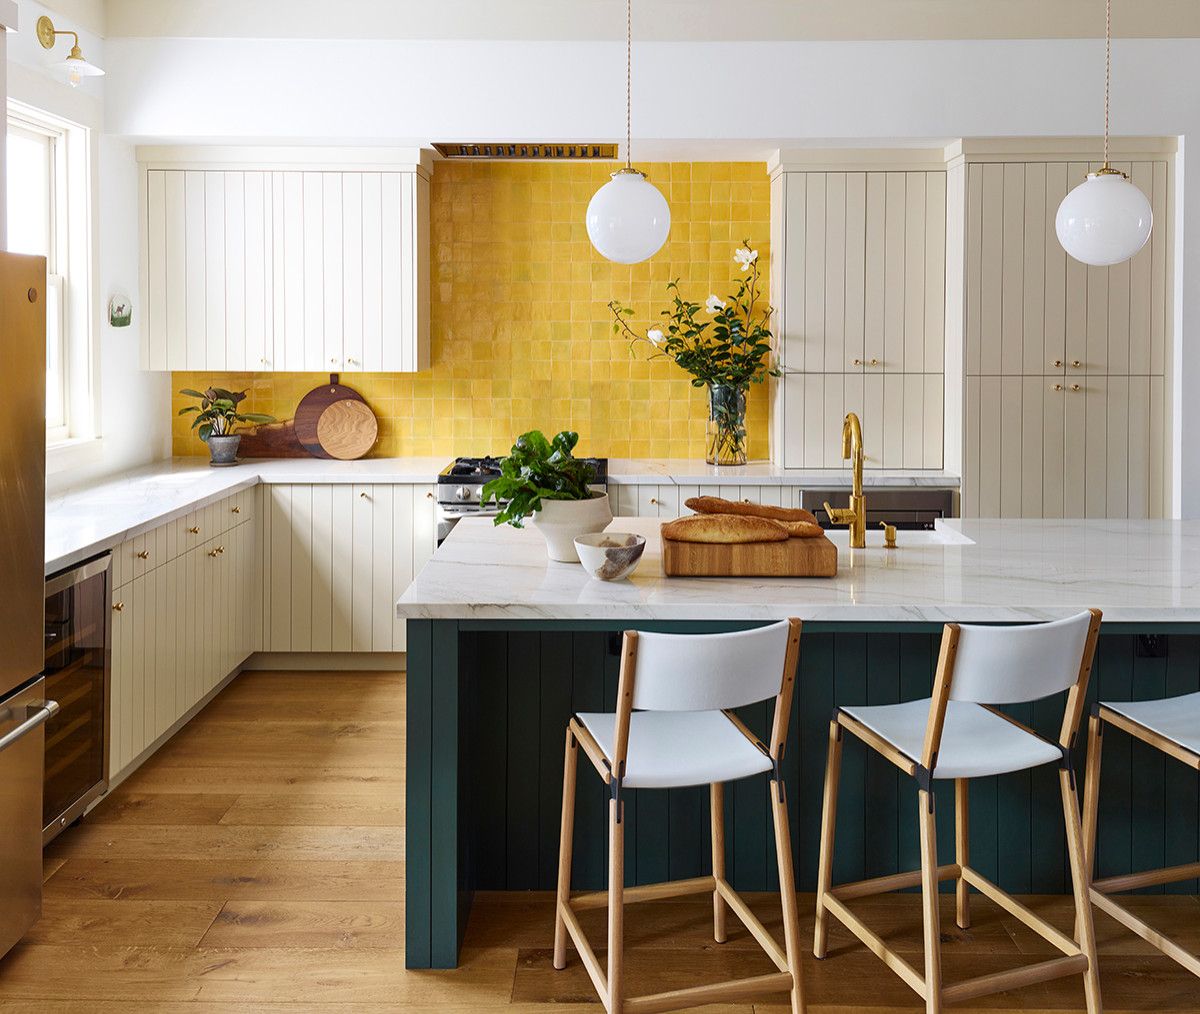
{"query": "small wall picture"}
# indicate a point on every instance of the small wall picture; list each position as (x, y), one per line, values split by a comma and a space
(120, 310)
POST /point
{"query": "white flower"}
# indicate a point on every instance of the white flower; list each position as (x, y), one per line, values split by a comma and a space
(714, 305)
(745, 257)
(655, 337)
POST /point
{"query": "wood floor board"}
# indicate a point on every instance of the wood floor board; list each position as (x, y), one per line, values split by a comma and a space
(256, 864)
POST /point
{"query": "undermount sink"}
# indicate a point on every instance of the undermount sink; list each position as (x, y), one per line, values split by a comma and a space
(840, 537)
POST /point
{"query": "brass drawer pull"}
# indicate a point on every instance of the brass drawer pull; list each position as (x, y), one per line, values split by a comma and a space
(429, 495)
(1057, 364)
(654, 500)
(217, 551)
(866, 362)
(118, 607)
(1056, 387)
(195, 530)
(363, 495)
(143, 555)
(1076, 387)
(235, 510)
(1076, 363)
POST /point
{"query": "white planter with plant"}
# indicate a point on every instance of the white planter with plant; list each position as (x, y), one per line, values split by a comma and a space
(217, 419)
(541, 480)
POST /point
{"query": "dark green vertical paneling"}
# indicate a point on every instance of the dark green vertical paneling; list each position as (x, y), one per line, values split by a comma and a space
(1148, 817)
(445, 871)
(882, 779)
(814, 709)
(525, 734)
(587, 694)
(850, 687)
(917, 660)
(418, 772)
(1047, 832)
(490, 771)
(557, 669)
(746, 837)
(1114, 853)
(1181, 784)
(1013, 834)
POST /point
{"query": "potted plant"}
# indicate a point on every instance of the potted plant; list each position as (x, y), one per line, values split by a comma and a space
(217, 417)
(725, 354)
(541, 480)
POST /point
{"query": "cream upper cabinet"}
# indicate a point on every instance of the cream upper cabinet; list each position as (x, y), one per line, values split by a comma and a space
(269, 259)
(858, 256)
(1064, 366)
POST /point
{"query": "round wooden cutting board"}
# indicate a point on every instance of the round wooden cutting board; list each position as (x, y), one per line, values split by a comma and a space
(308, 414)
(347, 429)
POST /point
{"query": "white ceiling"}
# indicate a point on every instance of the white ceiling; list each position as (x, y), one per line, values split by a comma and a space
(654, 20)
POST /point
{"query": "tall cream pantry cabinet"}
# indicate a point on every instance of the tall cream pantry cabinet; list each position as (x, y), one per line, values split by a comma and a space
(300, 259)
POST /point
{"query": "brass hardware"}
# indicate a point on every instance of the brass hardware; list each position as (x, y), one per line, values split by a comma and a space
(1076, 387)
(1057, 364)
(212, 552)
(866, 362)
(220, 550)
(31, 295)
(46, 32)
(653, 500)
(235, 510)
(854, 516)
(333, 361)
(429, 495)
(143, 555)
(364, 496)
(351, 362)
(263, 361)
(1076, 363)
(195, 530)
(118, 607)
(1056, 387)
(889, 535)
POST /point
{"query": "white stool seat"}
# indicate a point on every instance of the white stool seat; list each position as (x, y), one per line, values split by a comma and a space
(671, 749)
(1174, 718)
(975, 742)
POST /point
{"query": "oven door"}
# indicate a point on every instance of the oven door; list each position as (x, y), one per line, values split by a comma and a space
(22, 742)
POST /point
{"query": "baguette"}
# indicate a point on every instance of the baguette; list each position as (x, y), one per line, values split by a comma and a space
(802, 529)
(725, 529)
(718, 505)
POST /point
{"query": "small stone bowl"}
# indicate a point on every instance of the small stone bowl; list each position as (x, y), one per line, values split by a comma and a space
(610, 556)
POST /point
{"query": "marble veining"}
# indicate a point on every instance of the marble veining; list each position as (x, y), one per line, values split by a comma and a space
(996, 570)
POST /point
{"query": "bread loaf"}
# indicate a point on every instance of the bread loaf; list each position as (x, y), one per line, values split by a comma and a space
(718, 505)
(724, 528)
(801, 529)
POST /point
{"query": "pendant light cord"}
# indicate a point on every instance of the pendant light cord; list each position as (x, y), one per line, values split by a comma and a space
(629, 83)
(1107, 71)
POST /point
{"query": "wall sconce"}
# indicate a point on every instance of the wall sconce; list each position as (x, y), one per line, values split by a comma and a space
(75, 67)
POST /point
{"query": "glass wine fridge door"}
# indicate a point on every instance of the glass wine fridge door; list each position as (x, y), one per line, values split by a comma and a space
(77, 664)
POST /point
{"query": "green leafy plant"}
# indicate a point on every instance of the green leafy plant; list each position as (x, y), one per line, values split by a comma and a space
(217, 414)
(732, 349)
(538, 469)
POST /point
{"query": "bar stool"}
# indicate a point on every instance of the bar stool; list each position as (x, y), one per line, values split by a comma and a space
(673, 728)
(958, 734)
(1172, 726)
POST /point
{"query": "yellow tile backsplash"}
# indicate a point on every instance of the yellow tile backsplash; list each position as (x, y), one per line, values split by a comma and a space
(521, 336)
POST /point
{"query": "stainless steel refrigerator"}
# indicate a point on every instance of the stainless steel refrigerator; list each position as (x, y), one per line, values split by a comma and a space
(23, 706)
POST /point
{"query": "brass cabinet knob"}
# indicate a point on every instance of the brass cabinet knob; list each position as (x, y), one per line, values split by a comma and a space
(1076, 387)
(143, 555)
(212, 552)
(216, 551)
(866, 362)
(195, 529)
(333, 361)
(235, 510)
(351, 362)
(363, 495)
(263, 361)
(1076, 363)
(429, 495)
(1057, 364)
(1056, 387)
(118, 607)
(654, 500)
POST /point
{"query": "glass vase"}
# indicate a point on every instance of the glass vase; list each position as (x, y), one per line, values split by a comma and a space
(725, 436)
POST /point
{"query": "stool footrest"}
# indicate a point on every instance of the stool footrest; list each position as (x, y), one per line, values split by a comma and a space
(889, 883)
(587, 955)
(1147, 932)
(1146, 878)
(1027, 975)
(1014, 908)
(874, 943)
(693, 996)
(756, 928)
(647, 892)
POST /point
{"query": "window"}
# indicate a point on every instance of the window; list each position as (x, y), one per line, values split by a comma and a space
(37, 200)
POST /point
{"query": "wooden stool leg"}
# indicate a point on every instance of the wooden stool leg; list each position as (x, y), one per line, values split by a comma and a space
(566, 837)
(929, 904)
(616, 910)
(787, 891)
(833, 765)
(717, 805)
(1085, 932)
(962, 851)
(1091, 793)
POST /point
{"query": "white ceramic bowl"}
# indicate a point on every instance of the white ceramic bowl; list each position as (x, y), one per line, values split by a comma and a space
(610, 556)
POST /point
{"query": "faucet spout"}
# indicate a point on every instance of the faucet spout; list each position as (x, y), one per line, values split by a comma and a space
(854, 516)
(852, 448)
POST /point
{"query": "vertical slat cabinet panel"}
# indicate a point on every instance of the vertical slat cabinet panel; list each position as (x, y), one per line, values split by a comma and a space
(362, 597)
(370, 356)
(1118, 460)
(416, 319)
(812, 345)
(257, 352)
(913, 360)
(854, 301)
(214, 269)
(833, 355)
(382, 566)
(424, 526)
(971, 459)
(1076, 290)
(1075, 440)
(1160, 272)
(164, 665)
(913, 394)
(234, 185)
(312, 217)
(1034, 274)
(1094, 395)
(1052, 447)
(290, 247)
(668, 503)
(143, 664)
(281, 358)
(973, 276)
(323, 564)
(1159, 449)
(934, 411)
(895, 216)
(892, 432)
(1140, 285)
(1034, 434)
(935, 275)
(991, 276)
(1054, 286)
(342, 582)
(1011, 436)
(1012, 303)
(1096, 319)
(302, 568)
(404, 503)
(991, 410)
(1118, 311)
(119, 680)
(331, 232)
(195, 296)
(352, 264)
(278, 624)
(175, 282)
(393, 215)
(155, 340)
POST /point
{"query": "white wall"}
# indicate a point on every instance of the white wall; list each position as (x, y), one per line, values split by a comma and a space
(132, 417)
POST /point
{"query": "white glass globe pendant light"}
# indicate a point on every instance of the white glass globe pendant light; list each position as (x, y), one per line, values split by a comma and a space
(627, 218)
(1106, 219)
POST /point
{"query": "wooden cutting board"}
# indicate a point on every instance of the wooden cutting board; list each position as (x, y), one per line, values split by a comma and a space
(312, 406)
(347, 430)
(794, 558)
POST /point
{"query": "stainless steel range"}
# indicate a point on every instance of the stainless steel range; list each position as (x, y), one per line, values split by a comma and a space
(460, 487)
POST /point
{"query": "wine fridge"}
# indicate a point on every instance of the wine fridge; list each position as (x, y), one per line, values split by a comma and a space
(77, 671)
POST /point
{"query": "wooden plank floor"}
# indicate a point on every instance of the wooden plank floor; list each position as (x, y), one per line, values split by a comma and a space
(257, 863)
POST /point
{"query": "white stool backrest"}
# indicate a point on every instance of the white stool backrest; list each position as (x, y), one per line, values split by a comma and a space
(1010, 665)
(709, 672)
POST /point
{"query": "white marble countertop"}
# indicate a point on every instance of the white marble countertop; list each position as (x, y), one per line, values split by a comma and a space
(83, 522)
(1136, 571)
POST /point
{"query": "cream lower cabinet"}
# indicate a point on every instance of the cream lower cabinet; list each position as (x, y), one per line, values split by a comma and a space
(182, 623)
(336, 558)
(668, 501)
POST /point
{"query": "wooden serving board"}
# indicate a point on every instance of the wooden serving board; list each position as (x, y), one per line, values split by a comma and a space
(816, 557)
(347, 429)
(310, 409)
